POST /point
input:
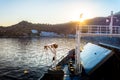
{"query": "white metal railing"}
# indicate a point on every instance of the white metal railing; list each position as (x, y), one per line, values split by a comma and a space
(60, 59)
(100, 29)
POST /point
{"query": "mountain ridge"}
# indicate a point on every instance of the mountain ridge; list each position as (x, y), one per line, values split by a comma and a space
(24, 28)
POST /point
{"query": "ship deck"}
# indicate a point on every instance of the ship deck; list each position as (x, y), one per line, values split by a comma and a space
(67, 74)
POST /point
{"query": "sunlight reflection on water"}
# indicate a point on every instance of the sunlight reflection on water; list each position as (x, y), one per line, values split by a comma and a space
(30, 52)
(17, 55)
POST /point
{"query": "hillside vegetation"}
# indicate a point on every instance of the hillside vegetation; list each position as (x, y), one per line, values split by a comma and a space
(23, 28)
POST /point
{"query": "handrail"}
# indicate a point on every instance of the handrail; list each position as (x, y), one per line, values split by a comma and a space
(100, 29)
(62, 57)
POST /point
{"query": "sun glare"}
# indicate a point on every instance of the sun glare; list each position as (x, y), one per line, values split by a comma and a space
(86, 15)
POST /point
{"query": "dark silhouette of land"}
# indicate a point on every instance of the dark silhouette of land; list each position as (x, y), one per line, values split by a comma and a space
(23, 28)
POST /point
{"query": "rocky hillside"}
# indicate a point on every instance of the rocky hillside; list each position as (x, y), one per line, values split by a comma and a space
(102, 20)
(24, 28)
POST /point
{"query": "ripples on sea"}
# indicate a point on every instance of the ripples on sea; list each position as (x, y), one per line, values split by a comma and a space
(20, 56)
(26, 59)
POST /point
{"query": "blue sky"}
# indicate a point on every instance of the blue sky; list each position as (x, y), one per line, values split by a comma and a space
(53, 11)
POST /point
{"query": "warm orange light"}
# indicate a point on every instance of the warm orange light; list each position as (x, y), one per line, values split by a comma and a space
(82, 20)
(75, 15)
(81, 17)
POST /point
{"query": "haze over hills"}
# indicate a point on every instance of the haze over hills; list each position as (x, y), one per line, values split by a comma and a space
(102, 20)
(23, 28)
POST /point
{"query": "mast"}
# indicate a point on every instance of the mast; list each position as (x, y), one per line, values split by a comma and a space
(77, 51)
(111, 23)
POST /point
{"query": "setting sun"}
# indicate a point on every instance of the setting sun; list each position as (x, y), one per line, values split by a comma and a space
(86, 15)
(53, 12)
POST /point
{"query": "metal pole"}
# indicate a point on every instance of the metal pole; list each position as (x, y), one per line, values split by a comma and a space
(78, 61)
(77, 50)
(111, 23)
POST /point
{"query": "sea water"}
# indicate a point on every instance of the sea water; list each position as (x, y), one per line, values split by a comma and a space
(26, 58)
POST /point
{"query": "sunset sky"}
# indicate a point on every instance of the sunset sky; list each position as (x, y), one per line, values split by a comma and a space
(54, 11)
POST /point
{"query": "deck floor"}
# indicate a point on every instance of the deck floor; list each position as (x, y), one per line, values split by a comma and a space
(67, 74)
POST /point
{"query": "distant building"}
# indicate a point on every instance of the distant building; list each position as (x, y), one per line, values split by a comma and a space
(53, 34)
(34, 31)
(49, 34)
